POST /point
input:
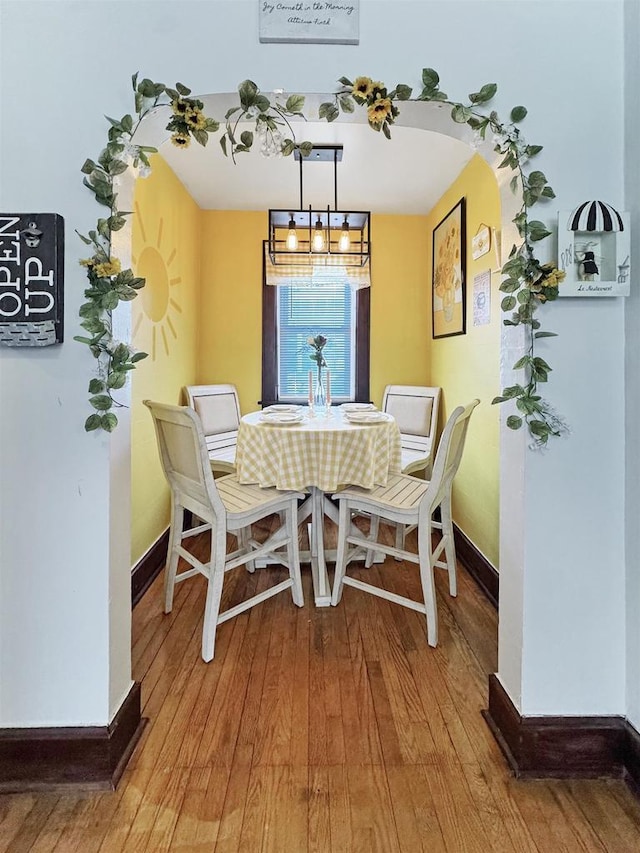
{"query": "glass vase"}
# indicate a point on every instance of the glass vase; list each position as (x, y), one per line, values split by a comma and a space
(320, 394)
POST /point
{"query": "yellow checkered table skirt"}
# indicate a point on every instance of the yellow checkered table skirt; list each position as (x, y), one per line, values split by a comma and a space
(322, 451)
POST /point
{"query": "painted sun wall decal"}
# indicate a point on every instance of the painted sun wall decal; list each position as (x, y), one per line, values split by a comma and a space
(158, 300)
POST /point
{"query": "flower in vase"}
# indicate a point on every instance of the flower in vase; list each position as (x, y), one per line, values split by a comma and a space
(317, 344)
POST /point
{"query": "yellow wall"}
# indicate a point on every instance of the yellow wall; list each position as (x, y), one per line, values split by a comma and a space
(467, 366)
(231, 302)
(166, 247)
(400, 302)
(210, 330)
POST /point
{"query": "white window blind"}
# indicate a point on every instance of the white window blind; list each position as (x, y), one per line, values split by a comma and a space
(327, 310)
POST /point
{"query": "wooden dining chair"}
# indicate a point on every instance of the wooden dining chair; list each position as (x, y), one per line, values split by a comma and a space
(219, 409)
(407, 500)
(225, 506)
(415, 409)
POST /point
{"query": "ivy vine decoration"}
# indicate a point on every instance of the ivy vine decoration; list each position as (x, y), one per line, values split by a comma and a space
(527, 283)
(108, 283)
(272, 126)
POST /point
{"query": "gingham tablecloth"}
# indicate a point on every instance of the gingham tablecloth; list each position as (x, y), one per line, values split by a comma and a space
(326, 452)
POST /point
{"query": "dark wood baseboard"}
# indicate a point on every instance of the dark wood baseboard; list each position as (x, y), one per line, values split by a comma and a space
(147, 569)
(480, 569)
(632, 758)
(92, 757)
(563, 747)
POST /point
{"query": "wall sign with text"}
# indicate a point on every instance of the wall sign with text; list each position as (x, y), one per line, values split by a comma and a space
(309, 21)
(31, 279)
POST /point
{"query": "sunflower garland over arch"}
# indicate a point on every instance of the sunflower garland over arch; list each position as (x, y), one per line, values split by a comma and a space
(527, 283)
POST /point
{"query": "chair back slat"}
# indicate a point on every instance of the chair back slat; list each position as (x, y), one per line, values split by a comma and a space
(222, 441)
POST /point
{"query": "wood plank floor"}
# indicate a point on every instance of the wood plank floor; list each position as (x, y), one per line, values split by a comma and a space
(325, 730)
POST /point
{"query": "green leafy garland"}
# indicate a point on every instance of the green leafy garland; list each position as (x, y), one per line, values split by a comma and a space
(527, 283)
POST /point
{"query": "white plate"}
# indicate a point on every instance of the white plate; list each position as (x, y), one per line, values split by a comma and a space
(281, 408)
(358, 407)
(282, 418)
(367, 417)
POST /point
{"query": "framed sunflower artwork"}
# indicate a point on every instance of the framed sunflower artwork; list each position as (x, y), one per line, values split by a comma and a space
(449, 274)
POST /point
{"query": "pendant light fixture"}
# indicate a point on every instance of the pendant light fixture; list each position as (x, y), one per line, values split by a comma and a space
(320, 237)
(344, 243)
(292, 235)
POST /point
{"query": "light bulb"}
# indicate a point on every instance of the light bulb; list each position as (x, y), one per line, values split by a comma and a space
(318, 237)
(292, 236)
(344, 243)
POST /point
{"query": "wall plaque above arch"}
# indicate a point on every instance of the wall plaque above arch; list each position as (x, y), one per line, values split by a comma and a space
(309, 22)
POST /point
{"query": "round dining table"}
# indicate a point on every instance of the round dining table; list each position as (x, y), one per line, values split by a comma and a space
(319, 453)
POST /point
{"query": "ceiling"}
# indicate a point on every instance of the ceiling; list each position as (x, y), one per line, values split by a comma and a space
(407, 174)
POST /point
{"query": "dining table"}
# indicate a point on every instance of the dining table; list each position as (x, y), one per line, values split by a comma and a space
(318, 452)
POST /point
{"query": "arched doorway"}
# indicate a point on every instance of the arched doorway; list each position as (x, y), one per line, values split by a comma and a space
(426, 117)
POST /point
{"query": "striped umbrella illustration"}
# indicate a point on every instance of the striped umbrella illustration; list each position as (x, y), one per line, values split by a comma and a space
(595, 216)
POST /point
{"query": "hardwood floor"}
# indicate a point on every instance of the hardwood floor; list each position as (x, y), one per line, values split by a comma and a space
(327, 730)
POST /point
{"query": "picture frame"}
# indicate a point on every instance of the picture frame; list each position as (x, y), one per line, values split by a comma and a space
(449, 274)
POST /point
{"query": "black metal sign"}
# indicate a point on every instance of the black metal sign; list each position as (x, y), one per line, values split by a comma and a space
(31, 279)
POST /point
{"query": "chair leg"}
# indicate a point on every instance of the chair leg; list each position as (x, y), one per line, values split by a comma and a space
(449, 546)
(344, 523)
(214, 593)
(399, 538)
(243, 542)
(293, 552)
(171, 568)
(425, 552)
(374, 529)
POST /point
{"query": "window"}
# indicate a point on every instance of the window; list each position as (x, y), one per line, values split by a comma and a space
(332, 307)
(290, 315)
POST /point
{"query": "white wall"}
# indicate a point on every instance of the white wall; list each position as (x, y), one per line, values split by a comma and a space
(632, 195)
(64, 65)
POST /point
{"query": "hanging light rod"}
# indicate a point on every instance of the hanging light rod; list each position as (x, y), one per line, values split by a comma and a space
(319, 236)
(321, 154)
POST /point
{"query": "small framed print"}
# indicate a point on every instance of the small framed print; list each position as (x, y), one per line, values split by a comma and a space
(448, 273)
(482, 298)
(481, 243)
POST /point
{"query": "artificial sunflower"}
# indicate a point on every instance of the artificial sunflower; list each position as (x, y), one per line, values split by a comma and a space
(379, 111)
(196, 119)
(180, 107)
(181, 140)
(554, 278)
(110, 267)
(362, 88)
